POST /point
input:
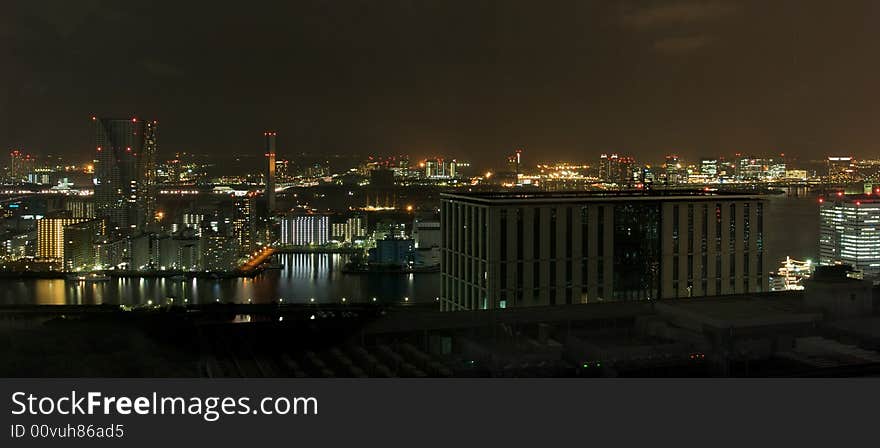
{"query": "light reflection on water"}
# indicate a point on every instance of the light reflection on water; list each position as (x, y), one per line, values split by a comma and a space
(304, 276)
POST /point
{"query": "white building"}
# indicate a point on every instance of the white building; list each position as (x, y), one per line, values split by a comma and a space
(849, 232)
(305, 229)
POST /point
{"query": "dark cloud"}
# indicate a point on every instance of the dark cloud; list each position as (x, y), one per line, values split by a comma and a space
(680, 45)
(160, 68)
(677, 13)
(469, 78)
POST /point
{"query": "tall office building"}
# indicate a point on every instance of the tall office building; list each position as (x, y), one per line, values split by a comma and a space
(125, 165)
(270, 171)
(513, 249)
(849, 232)
(305, 229)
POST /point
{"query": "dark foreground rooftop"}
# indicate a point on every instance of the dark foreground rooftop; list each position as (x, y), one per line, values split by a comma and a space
(768, 334)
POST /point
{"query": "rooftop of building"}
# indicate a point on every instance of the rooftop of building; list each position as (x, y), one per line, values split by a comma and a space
(605, 195)
(857, 199)
(839, 273)
(740, 311)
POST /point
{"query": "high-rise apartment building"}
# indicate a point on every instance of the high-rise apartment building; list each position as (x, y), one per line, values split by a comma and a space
(270, 171)
(125, 171)
(50, 236)
(513, 249)
(80, 239)
(849, 232)
(244, 222)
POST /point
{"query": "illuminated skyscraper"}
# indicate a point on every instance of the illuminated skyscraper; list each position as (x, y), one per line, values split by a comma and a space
(20, 165)
(270, 171)
(146, 171)
(15, 165)
(125, 171)
(243, 223)
(849, 232)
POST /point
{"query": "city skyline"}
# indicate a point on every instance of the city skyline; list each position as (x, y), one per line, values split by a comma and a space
(569, 82)
(268, 197)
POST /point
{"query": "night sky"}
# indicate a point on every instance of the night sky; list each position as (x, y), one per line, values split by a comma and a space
(473, 78)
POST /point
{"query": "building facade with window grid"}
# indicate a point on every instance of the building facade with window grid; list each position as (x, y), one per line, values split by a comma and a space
(536, 249)
(849, 232)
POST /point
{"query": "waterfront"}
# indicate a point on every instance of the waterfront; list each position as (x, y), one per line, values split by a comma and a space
(791, 226)
(304, 277)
